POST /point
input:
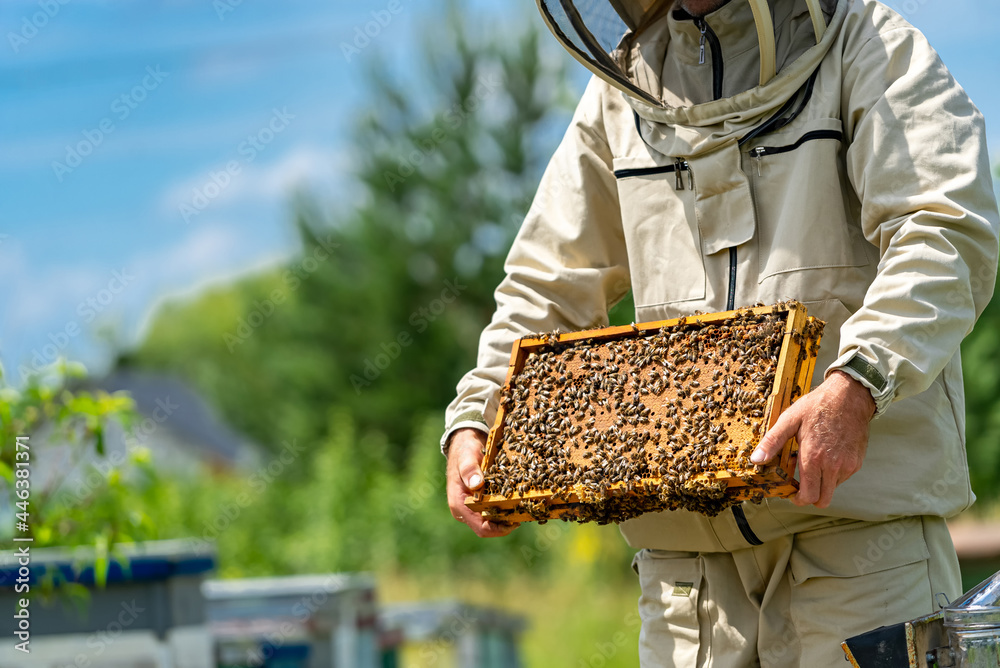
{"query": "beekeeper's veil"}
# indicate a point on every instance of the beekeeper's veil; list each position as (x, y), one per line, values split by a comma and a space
(607, 37)
(625, 42)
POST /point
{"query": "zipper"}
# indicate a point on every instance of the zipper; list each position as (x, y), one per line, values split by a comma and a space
(770, 124)
(677, 167)
(701, 43)
(759, 152)
(717, 77)
(779, 120)
(744, 526)
(731, 297)
(738, 514)
(708, 35)
(680, 165)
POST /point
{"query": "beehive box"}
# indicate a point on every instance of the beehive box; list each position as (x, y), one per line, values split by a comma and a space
(607, 424)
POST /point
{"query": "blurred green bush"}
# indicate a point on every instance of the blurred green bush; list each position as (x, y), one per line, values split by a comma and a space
(100, 506)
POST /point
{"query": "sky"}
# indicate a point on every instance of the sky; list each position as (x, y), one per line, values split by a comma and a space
(149, 149)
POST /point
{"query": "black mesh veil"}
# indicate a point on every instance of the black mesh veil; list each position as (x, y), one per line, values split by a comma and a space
(604, 36)
(592, 30)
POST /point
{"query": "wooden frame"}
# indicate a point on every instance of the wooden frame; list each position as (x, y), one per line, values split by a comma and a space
(792, 378)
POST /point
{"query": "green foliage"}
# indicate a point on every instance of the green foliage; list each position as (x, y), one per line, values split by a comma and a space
(344, 506)
(980, 352)
(575, 617)
(99, 510)
(378, 315)
(381, 311)
(351, 348)
(348, 508)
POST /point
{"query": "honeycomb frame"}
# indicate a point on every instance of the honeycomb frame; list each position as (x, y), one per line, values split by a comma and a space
(771, 350)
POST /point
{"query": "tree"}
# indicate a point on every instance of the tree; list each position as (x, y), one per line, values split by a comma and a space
(381, 312)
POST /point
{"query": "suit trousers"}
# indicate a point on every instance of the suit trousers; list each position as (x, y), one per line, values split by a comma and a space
(791, 601)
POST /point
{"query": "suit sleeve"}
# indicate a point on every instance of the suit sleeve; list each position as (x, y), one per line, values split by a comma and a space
(566, 267)
(919, 165)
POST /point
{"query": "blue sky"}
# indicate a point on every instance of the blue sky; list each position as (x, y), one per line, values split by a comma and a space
(161, 96)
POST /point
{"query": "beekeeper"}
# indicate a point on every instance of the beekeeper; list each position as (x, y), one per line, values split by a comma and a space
(730, 153)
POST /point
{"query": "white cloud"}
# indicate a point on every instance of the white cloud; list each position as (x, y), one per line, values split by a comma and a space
(43, 296)
(256, 182)
(128, 140)
(219, 68)
(213, 253)
(41, 304)
(224, 242)
(197, 254)
(12, 258)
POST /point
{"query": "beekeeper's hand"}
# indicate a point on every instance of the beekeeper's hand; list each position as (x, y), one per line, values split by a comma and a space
(465, 455)
(831, 426)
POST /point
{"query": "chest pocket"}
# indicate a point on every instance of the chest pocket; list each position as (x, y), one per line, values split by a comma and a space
(661, 231)
(805, 216)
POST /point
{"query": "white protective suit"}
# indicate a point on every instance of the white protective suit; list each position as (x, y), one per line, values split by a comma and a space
(815, 150)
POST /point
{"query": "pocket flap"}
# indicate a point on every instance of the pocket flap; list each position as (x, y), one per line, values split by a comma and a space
(661, 232)
(723, 204)
(857, 549)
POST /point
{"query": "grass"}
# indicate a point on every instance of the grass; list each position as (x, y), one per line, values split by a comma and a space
(581, 614)
(581, 611)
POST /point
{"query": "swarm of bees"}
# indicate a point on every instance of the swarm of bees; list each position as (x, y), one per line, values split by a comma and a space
(607, 429)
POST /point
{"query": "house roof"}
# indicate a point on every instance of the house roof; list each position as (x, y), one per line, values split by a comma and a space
(188, 415)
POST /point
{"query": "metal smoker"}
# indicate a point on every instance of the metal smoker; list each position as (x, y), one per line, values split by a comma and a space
(964, 634)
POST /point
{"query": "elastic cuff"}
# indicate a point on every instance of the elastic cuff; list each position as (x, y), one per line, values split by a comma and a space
(468, 420)
(865, 372)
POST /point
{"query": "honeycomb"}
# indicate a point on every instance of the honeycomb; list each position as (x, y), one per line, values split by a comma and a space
(606, 425)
